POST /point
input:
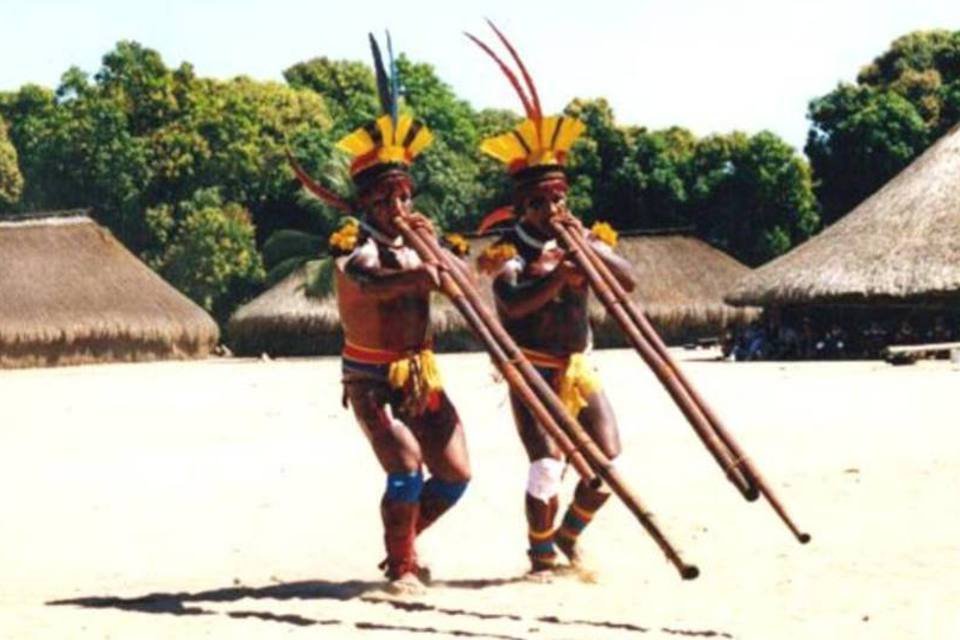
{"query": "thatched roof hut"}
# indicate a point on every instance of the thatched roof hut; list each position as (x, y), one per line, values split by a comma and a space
(899, 246)
(682, 280)
(73, 294)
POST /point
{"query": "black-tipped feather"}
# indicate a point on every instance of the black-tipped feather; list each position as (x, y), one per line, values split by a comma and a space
(383, 82)
(394, 84)
(523, 69)
(527, 107)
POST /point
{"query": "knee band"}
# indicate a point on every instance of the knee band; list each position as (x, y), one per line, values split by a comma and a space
(448, 491)
(544, 480)
(404, 486)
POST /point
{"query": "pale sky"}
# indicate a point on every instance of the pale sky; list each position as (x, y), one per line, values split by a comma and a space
(710, 66)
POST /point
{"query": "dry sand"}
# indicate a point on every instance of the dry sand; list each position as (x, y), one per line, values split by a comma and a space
(236, 499)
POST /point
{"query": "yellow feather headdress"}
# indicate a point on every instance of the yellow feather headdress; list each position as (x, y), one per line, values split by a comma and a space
(391, 139)
(538, 141)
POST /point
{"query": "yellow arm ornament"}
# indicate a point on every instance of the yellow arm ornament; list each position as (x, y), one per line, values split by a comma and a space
(344, 239)
(605, 233)
(495, 256)
(457, 244)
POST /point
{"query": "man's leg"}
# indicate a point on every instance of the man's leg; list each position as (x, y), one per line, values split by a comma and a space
(599, 421)
(444, 445)
(399, 454)
(543, 484)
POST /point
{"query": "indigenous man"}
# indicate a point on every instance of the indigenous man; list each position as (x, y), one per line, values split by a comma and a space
(389, 374)
(541, 298)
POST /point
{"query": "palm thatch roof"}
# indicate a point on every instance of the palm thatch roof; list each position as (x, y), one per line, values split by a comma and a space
(899, 246)
(680, 285)
(73, 294)
(682, 280)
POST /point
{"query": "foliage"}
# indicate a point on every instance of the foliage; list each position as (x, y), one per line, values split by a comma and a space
(862, 135)
(750, 195)
(138, 135)
(190, 172)
(11, 181)
(347, 86)
(211, 255)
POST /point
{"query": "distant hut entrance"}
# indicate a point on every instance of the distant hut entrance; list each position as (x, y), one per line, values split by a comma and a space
(70, 293)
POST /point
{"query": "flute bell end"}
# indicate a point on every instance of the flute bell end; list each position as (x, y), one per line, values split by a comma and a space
(689, 572)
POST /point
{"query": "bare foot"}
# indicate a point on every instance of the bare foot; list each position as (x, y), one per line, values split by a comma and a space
(406, 585)
(542, 572)
(422, 571)
(541, 576)
(580, 566)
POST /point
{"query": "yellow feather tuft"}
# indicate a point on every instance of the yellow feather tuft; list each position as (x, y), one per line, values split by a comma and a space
(605, 233)
(357, 143)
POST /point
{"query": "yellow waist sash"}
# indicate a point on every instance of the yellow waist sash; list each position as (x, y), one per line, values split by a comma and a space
(576, 381)
(415, 372)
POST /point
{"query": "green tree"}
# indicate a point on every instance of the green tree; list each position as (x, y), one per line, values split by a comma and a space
(861, 135)
(602, 174)
(11, 181)
(211, 255)
(347, 87)
(751, 195)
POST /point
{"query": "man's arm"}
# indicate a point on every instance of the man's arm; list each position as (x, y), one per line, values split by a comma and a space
(621, 269)
(373, 279)
(518, 299)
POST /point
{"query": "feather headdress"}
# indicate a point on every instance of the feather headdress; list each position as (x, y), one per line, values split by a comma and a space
(538, 143)
(388, 143)
(392, 139)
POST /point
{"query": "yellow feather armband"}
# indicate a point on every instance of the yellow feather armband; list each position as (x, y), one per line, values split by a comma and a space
(457, 244)
(495, 256)
(344, 239)
(605, 233)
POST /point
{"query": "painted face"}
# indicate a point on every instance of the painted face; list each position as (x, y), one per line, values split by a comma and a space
(542, 202)
(386, 200)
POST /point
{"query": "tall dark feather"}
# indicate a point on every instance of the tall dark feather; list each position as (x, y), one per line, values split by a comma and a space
(394, 84)
(523, 69)
(383, 83)
(527, 107)
(328, 196)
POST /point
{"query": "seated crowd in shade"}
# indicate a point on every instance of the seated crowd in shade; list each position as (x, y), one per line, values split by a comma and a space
(837, 334)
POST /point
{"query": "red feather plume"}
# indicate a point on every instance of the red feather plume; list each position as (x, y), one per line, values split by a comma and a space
(318, 189)
(523, 69)
(527, 107)
(495, 217)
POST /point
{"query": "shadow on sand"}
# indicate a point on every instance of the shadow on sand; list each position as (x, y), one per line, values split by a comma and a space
(183, 603)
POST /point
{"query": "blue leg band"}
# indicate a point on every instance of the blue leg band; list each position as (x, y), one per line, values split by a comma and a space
(449, 491)
(404, 486)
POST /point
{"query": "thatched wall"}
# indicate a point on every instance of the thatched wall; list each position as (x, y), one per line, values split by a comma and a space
(681, 283)
(899, 246)
(70, 293)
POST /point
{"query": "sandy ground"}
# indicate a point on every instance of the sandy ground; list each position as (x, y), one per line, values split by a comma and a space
(236, 499)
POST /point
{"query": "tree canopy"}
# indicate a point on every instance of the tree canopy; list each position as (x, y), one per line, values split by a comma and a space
(190, 172)
(863, 134)
(11, 181)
